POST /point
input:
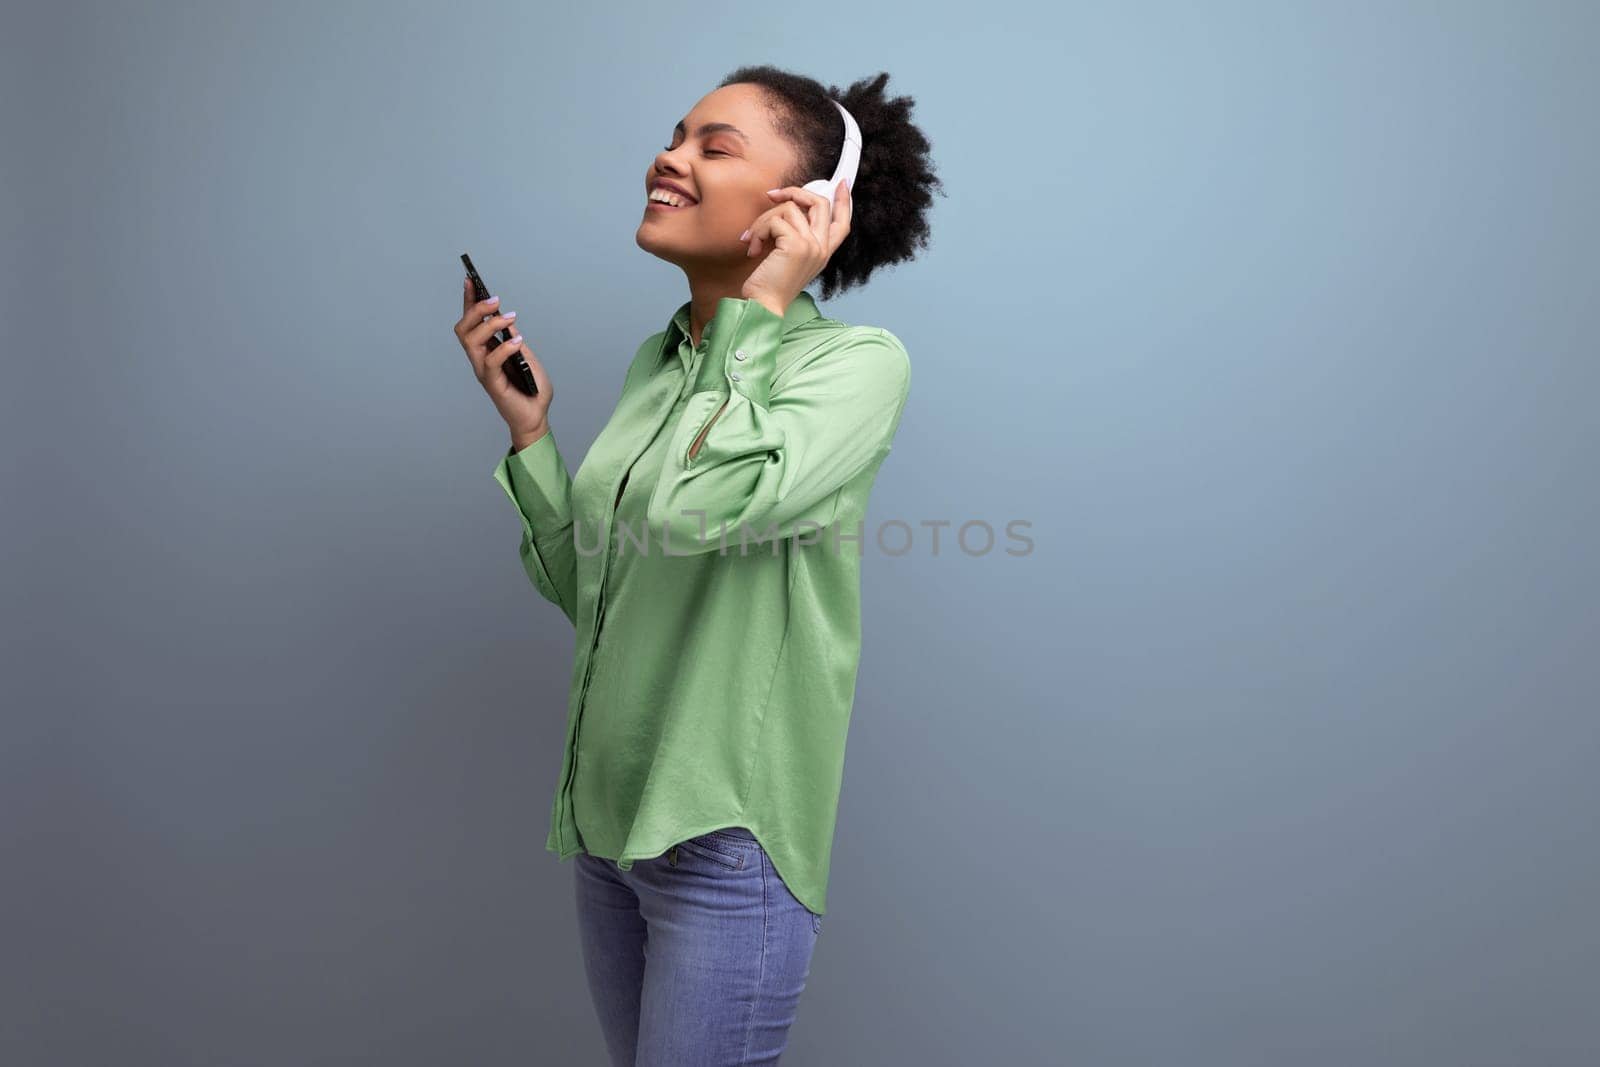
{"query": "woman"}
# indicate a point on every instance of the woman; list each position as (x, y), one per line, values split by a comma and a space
(708, 552)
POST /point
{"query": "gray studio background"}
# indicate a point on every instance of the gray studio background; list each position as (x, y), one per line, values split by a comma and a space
(1276, 321)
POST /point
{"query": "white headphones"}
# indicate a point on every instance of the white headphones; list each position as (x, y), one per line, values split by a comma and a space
(849, 159)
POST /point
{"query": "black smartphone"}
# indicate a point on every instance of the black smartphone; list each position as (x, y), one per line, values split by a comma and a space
(517, 368)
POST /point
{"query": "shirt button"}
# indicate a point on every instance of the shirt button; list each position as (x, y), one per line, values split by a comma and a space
(738, 354)
(735, 377)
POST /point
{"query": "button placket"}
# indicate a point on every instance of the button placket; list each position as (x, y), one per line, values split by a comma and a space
(565, 792)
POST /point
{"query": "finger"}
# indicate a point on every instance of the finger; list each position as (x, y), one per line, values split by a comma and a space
(474, 312)
(479, 336)
(795, 199)
(788, 221)
(467, 300)
(839, 221)
(755, 226)
(497, 356)
(494, 361)
(763, 234)
(773, 228)
(477, 341)
(758, 230)
(805, 219)
(815, 205)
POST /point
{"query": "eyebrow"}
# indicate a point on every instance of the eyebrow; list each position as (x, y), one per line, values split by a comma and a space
(710, 128)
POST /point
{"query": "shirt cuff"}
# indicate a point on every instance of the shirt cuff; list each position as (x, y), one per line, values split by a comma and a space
(743, 354)
(537, 480)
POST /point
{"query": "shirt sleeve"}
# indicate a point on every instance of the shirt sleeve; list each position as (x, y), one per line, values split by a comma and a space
(776, 454)
(537, 483)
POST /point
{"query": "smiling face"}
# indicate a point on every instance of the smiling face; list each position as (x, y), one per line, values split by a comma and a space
(725, 155)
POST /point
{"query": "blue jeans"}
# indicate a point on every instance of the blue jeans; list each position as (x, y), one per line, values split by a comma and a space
(695, 957)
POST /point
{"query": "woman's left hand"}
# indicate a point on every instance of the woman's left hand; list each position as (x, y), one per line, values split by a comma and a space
(799, 232)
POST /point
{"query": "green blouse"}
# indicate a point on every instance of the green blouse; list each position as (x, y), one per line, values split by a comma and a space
(716, 595)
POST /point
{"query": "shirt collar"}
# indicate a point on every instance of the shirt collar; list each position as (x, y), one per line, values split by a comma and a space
(801, 309)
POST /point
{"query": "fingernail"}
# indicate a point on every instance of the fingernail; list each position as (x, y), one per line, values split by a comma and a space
(517, 338)
(778, 190)
(511, 314)
(492, 300)
(743, 235)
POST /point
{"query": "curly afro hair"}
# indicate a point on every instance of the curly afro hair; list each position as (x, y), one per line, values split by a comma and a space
(895, 178)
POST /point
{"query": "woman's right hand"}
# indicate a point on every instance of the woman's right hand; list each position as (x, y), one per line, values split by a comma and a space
(526, 416)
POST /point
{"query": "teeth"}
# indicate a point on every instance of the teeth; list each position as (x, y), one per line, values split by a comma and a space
(669, 198)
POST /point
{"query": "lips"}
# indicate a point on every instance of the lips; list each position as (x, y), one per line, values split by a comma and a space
(674, 188)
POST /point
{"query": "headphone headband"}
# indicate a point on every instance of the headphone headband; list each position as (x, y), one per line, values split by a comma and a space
(849, 159)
